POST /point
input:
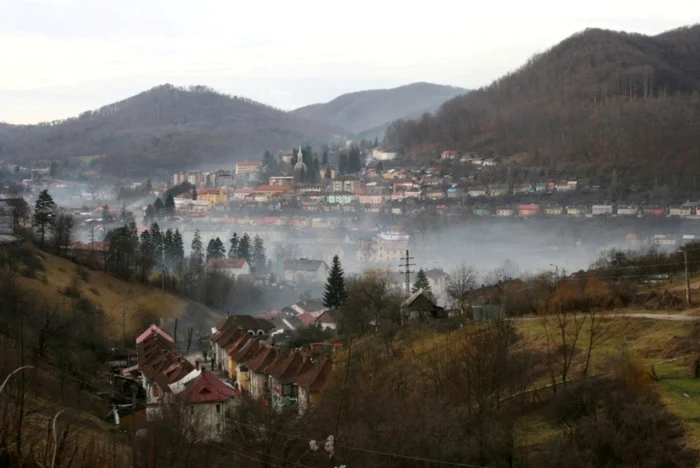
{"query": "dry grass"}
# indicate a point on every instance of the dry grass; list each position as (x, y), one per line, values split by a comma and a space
(109, 293)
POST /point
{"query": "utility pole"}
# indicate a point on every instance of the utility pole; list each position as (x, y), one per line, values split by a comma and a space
(687, 278)
(406, 265)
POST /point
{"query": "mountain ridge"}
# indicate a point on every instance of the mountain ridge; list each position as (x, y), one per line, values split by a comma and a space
(597, 100)
(360, 111)
(164, 127)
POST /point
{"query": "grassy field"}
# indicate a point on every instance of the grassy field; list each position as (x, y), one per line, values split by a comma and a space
(135, 302)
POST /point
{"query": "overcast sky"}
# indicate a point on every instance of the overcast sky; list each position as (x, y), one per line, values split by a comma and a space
(61, 57)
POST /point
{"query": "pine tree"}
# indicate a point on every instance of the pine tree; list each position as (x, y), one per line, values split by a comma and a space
(197, 249)
(157, 239)
(244, 248)
(421, 282)
(215, 249)
(169, 206)
(343, 163)
(44, 215)
(158, 207)
(194, 193)
(178, 247)
(259, 257)
(169, 248)
(146, 255)
(150, 215)
(324, 158)
(335, 294)
(295, 157)
(233, 249)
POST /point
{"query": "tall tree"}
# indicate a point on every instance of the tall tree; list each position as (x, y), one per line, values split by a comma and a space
(194, 192)
(158, 207)
(197, 249)
(44, 215)
(244, 248)
(150, 215)
(169, 248)
(259, 257)
(146, 255)
(157, 239)
(324, 158)
(106, 215)
(459, 285)
(62, 230)
(122, 247)
(343, 163)
(215, 249)
(421, 282)
(169, 206)
(335, 294)
(295, 157)
(178, 247)
(354, 163)
(233, 249)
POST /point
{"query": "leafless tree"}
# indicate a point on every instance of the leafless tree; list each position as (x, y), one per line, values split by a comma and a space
(460, 282)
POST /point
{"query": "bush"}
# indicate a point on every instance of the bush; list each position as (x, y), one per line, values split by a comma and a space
(82, 272)
(73, 288)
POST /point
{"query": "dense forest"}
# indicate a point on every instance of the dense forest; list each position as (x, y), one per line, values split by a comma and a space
(596, 101)
(163, 128)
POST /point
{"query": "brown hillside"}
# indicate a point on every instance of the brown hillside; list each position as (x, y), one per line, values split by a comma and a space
(164, 128)
(597, 100)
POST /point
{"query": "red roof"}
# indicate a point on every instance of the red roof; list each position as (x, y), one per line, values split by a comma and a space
(326, 317)
(236, 263)
(149, 331)
(266, 356)
(306, 318)
(316, 377)
(206, 388)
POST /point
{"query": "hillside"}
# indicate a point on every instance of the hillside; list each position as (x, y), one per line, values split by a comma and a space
(137, 304)
(364, 111)
(164, 128)
(597, 100)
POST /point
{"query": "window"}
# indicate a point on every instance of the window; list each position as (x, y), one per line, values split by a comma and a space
(218, 409)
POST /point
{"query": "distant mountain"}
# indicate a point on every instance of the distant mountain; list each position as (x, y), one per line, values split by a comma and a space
(165, 128)
(373, 109)
(599, 100)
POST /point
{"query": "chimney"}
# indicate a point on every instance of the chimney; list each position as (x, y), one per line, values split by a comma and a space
(196, 364)
(228, 313)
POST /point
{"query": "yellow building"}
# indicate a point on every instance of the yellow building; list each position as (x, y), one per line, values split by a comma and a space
(213, 195)
(246, 167)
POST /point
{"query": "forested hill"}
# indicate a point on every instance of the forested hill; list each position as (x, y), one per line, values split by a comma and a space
(363, 111)
(165, 127)
(597, 100)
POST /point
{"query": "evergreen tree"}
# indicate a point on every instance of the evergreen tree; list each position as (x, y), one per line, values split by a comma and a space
(380, 167)
(169, 248)
(106, 215)
(335, 294)
(44, 215)
(157, 241)
(197, 249)
(233, 250)
(169, 206)
(295, 157)
(354, 163)
(122, 248)
(259, 257)
(215, 249)
(150, 215)
(376, 142)
(146, 255)
(343, 163)
(324, 158)
(158, 207)
(194, 193)
(244, 248)
(178, 247)
(421, 282)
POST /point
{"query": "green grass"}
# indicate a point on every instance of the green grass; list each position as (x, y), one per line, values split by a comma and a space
(682, 396)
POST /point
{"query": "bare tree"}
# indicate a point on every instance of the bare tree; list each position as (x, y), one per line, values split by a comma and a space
(460, 283)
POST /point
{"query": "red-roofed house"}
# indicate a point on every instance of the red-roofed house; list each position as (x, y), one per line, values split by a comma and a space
(310, 384)
(207, 399)
(151, 330)
(234, 267)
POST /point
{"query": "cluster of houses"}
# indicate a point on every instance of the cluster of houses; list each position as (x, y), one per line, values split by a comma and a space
(203, 396)
(687, 210)
(242, 353)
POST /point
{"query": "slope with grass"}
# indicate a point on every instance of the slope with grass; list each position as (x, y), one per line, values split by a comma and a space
(139, 305)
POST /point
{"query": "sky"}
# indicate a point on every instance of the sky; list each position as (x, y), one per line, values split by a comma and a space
(61, 57)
